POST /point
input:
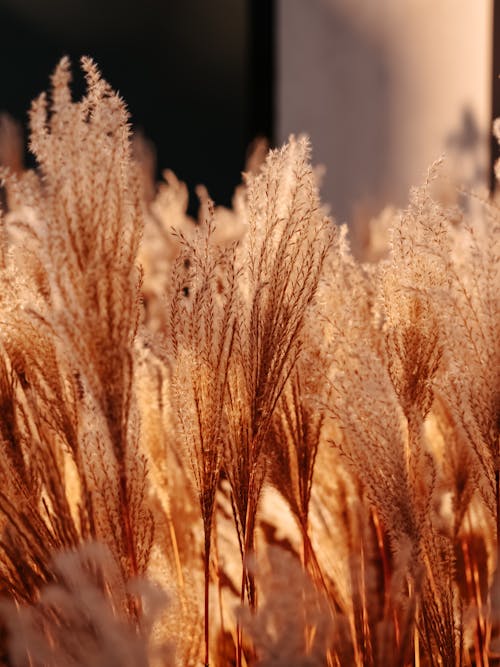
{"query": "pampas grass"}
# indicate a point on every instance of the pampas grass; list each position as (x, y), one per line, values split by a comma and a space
(229, 440)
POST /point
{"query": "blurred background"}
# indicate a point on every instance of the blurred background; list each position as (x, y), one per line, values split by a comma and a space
(383, 87)
(184, 69)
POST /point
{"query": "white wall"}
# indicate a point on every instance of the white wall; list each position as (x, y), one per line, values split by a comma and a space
(383, 87)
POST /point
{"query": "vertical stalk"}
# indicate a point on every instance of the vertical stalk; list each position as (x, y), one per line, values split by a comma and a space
(239, 639)
(475, 594)
(247, 577)
(308, 629)
(416, 641)
(306, 556)
(497, 491)
(389, 609)
(207, 531)
(134, 604)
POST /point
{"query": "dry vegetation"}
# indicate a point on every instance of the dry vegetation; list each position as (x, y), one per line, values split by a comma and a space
(230, 441)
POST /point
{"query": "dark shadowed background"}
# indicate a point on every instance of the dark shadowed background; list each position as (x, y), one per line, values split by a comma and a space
(187, 70)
